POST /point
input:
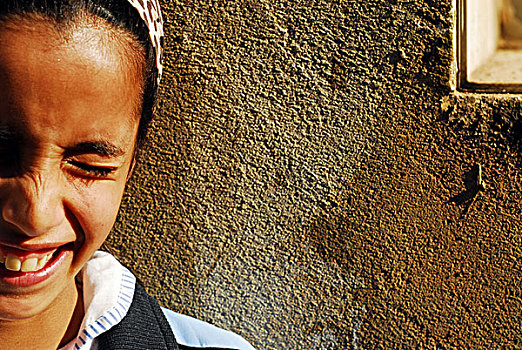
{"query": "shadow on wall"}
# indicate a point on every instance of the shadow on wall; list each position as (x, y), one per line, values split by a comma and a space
(331, 244)
(487, 121)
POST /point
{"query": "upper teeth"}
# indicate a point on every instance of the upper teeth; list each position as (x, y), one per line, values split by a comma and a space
(14, 263)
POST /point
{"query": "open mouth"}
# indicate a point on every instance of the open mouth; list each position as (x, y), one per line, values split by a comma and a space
(13, 262)
(24, 268)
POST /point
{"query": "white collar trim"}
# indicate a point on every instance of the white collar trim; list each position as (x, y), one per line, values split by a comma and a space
(108, 289)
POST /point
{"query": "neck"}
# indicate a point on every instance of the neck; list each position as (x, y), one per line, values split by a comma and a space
(58, 324)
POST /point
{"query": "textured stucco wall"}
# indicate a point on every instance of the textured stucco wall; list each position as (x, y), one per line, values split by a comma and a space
(305, 180)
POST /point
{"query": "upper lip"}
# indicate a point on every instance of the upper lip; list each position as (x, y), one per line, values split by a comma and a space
(32, 248)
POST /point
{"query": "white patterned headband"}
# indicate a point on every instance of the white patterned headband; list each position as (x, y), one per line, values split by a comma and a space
(150, 12)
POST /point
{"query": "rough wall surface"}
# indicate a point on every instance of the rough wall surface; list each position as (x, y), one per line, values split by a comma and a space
(309, 179)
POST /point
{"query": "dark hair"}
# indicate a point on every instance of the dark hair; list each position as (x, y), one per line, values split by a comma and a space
(118, 13)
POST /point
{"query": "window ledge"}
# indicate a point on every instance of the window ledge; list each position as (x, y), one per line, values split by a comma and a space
(503, 67)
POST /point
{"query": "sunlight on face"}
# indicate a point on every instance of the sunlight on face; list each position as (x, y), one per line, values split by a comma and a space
(68, 124)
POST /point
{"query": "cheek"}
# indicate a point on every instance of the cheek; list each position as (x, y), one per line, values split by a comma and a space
(97, 211)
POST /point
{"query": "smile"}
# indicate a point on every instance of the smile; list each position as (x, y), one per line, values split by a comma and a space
(22, 268)
(13, 262)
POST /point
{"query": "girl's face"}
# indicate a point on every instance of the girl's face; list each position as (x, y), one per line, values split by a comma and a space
(69, 109)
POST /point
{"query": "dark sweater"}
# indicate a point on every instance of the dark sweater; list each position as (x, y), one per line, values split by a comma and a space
(143, 328)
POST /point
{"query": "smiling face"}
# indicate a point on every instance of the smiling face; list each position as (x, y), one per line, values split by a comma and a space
(69, 110)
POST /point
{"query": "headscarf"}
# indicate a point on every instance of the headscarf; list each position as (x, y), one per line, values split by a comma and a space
(150, 12)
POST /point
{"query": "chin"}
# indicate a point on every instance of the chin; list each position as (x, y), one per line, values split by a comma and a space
(13, 309)
(21, 299)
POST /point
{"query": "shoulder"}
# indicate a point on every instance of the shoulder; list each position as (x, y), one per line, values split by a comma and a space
(196, 334)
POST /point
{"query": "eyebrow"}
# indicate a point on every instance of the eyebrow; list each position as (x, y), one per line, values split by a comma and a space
(101, 147)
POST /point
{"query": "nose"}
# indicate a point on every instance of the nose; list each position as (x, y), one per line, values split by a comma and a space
(34, 205)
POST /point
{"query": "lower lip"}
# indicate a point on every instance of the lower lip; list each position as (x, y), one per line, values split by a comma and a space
(27, 279)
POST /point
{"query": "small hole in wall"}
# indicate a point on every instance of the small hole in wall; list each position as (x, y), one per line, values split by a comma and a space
(490, 45)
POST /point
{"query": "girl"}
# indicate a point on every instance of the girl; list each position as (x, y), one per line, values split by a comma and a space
(78, 84)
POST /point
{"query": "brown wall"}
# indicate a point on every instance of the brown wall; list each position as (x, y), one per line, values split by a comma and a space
(305, 178)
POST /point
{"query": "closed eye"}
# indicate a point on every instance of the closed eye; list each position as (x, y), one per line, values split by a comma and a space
(92, 170)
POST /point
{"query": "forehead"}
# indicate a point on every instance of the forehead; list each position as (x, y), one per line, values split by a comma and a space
(85, 43)
(51, 80)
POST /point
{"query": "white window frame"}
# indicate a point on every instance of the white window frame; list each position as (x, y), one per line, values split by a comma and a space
(484, 65)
